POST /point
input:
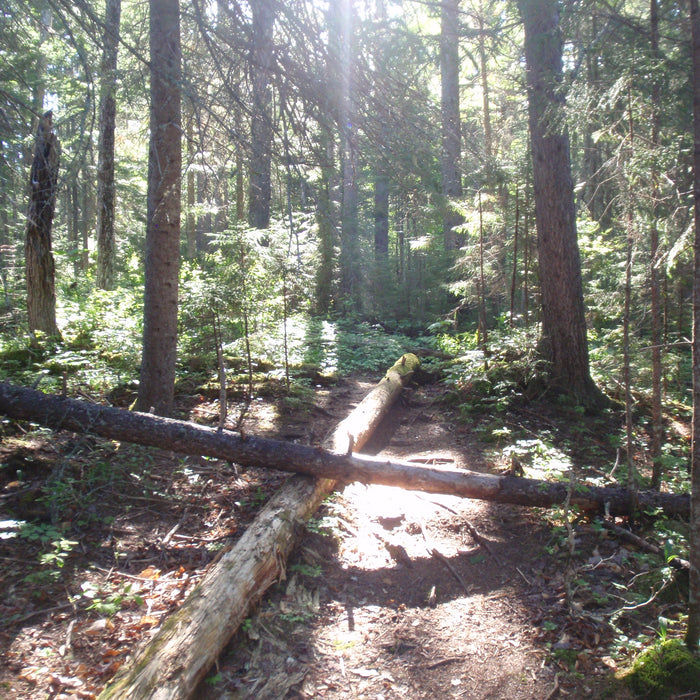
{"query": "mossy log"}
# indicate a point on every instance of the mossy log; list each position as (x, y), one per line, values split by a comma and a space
(192, 638)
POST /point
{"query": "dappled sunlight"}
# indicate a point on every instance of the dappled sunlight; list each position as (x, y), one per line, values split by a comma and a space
(538, 459)
(388, 517)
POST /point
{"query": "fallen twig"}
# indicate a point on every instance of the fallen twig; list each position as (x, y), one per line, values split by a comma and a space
(451, 568)
(645, 545)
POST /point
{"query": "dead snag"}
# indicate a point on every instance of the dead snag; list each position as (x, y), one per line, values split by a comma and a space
(41, 295)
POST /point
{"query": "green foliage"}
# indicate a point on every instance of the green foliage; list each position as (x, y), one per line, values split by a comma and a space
(505, 369)
(100, 345)
(109, 602)
(663, 671)
(310, 570)
(52, 561)
(214, 680)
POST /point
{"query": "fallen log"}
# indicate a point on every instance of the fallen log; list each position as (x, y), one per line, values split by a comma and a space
(191, 639)
(193, 439)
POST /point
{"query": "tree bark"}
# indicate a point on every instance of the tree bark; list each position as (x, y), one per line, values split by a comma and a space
(41, 292)
(323, 291)
(190, 222)
(483, 69)
(260, 183)
(203, 228)
(381, 213)
(104, 277)
(157, 382)
(349, 158)
(655, 263)
(692, 637)
(564, 342)
(189, 438)
(451, 157)
(514, 273)
(189, 642)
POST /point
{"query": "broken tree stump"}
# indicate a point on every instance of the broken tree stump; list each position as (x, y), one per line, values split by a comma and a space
(192, 638)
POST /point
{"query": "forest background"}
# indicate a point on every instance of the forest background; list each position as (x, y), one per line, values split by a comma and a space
(351, 179)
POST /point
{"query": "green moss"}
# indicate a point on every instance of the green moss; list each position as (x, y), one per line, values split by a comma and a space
(665, 669)
(406, 364)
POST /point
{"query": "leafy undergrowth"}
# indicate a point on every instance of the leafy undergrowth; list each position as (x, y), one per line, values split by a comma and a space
(665, 670)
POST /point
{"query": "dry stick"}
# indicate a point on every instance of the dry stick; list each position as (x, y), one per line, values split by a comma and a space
(555, 689)
(476, 535)
(223, 399)
(441, 557)
(482, 541)
(443, 662)
(676, 562)
(453, 571)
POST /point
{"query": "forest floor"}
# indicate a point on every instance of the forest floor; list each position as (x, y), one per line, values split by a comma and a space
(390, 594)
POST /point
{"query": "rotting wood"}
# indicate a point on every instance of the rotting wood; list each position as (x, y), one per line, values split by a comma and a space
(191, 639)
(189, 438)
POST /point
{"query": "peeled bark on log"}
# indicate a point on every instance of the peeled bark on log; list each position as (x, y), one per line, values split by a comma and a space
(192, 638)
(189, 438)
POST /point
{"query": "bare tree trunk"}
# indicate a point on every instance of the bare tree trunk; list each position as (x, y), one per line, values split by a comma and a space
(564, 342)
(692, 637)
(326, 227)
(381, 214)
(514, 274)
(482, 332)
(74, 227)
(342, 48)
(626, 362)
(221, 199)
(43, 183)
(260, 184)
(190, 221)
(240, 186)
(657, 427)
(526, 257)
(485, 95)
(157, 383)
(203, 228)
(87, 219)
(104, 277)
(451, 157)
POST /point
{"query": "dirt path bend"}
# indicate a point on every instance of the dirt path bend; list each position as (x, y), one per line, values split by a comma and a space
(399, 594)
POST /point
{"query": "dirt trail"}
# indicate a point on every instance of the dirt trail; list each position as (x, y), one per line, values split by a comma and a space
(411, 596)
(391, 593)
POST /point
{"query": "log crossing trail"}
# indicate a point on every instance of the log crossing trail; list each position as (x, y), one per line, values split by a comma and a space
(389, 592)
(417, 595)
